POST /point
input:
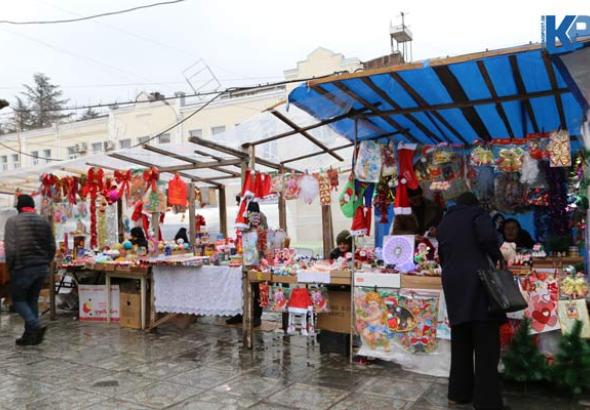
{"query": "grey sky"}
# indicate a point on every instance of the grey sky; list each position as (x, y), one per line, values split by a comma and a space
(244, 42)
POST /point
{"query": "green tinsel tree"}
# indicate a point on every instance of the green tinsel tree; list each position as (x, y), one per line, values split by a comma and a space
(571, 368)
(523, 362)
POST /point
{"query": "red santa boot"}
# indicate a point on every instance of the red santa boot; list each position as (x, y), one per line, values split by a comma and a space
(407, 179)
(359, 222)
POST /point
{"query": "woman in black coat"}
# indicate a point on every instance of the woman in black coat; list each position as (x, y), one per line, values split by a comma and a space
(466, 238)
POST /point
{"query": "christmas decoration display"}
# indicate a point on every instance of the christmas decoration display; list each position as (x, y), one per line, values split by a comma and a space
(368, 163)
(523, 362)
(571, 312)
(325, 191)
(571, 365)
(559, 149)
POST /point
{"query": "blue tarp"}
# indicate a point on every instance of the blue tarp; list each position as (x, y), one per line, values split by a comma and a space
(453, 102)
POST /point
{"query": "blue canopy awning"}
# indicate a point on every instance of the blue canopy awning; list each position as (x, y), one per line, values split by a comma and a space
(506, 93)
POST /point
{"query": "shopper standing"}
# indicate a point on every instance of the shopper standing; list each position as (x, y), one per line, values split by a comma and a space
(467, 237)
(30, 248)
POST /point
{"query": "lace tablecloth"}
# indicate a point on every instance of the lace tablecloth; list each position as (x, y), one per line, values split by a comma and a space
(206, 290)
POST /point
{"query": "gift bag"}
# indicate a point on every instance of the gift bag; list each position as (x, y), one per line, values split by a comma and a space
(389, 164)
(443, 325)
(319, 298)
(368, 162)
(291, 186)
(572, 310)
(280, 299)
(542, 310)
(177, 192)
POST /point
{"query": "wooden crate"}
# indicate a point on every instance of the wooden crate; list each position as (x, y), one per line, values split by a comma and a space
(256, 276)
(421, 282)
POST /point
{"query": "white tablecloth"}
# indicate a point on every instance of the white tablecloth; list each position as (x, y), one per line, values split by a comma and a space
(205, 290)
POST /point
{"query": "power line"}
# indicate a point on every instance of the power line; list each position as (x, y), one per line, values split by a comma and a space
(112, 13)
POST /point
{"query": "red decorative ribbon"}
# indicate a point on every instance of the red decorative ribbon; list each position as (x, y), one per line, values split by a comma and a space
(199, 221)
(139, 214)
(94, 184)
(70, 188)
(123, 178)
(151, 177)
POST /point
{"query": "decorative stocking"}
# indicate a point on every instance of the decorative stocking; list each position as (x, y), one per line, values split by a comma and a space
(407, 179)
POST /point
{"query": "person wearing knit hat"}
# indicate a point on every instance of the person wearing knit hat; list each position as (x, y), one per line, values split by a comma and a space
(344, 245)
(30, 247)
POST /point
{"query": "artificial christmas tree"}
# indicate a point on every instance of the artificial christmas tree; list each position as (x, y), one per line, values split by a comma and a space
(571, 366)
(523, 362)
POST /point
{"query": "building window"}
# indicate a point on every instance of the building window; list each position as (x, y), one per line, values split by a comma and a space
(270, 150)
(124, 144)
(196, 133)
(218, 130)
(143, 140)
(97, 147)
(4, 162)
(15, 161)
(35, 160)
(164, 138)
(47, 155)
(72, 153)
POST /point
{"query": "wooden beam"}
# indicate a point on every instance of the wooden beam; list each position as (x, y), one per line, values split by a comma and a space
(375, 109)
(499, 109)
(205, 165)
(282, 210)
(305, 134)
(522, 90)
(327, 230)
(349, 114)
(369, 83)
(458, 95)
(553, 81)
(192, 227)
(215, 157)
(234, 152)
(210, 181)
(171, 154)
(472, 103)
(421, 102)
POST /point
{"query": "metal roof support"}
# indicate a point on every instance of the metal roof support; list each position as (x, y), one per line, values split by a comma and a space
(522, 90)
(453, 87)
(499, 109)
(207, 165)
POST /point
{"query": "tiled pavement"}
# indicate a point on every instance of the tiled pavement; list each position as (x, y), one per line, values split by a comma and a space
(99, 366)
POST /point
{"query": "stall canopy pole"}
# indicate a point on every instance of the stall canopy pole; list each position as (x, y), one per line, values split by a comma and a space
(192, 217)
(282, 208)
(222, 211)
(247, 328)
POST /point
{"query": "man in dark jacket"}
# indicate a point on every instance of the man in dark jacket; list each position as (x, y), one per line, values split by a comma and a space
(30, 248)
(425, 217)
(466, 237)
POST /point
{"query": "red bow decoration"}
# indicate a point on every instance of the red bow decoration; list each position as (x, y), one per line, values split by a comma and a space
(423, 340)
(139, 214)
(199, 221)
(94, 184)
(151, 177)
(123, 178)
(48, 182)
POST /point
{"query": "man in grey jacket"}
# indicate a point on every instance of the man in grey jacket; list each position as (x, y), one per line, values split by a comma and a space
(30, 248)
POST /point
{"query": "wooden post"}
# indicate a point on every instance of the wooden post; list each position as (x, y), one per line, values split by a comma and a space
(52, 308)
(192, 217)
(247, 327)
(327, 230)
(282, 210)
(156, 225)
(120, 224)
(222, 211)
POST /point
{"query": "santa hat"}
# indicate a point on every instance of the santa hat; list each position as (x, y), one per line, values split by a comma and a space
(248, 188)
(408, 182)
(241, 218)
(262, 187)
(361, 223)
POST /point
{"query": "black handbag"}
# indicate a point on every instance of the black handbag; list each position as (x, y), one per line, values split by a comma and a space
(505, 296)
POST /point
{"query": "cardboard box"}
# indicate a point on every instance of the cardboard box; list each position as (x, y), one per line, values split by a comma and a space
(93, 303)
(339, 281)
(256, 276)
(336, 273)
(339, 315)
(130, 309)
(284, 279)
(421, 282)
(381, 280)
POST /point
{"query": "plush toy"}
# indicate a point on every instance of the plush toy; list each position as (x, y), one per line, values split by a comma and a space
(508, 250)
(300, 304)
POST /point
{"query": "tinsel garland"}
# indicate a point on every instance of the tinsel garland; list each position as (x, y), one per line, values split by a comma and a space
(557, 200)
(102, 227)
(93, 224)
